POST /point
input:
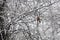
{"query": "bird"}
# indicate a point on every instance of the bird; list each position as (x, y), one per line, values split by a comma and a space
(38, 19)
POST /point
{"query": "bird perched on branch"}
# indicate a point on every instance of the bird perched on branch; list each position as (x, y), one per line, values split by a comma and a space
(38, 19)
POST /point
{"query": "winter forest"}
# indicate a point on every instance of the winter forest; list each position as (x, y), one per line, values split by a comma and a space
(29, 19)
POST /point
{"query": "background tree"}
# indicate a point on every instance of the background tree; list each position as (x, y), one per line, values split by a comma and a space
(21, 22)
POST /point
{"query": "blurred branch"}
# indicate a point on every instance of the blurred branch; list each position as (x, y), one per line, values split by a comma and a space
(39, 8)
